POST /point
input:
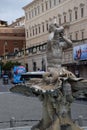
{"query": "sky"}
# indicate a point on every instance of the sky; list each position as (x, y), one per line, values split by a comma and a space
(10, 10)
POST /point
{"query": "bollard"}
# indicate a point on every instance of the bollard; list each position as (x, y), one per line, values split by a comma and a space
(12, 122)
(80, 120)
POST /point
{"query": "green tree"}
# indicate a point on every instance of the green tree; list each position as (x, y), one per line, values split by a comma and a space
(9, 65)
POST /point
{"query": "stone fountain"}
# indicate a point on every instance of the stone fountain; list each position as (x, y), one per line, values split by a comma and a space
(58, 87)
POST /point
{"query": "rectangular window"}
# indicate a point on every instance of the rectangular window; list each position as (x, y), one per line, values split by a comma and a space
(33, 31)
(30, 33)
(82, 12)
(46, 5)
(39, 29)
(59, 1)
(76, 35)
(29, 15)
(82, 33)
(70, 16)
(70, 36)
(15, 44)
(59, 20)
(43, 27)
(26, 15)
(38, 9)
(36, 30)
(35, 10)
(42, 7)
(47, 26)
(54, 2)
(50, 4)
(64, 18)
(76, 15)
(32, 13)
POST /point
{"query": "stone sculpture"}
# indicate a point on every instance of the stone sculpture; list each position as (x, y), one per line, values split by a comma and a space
(58, 87)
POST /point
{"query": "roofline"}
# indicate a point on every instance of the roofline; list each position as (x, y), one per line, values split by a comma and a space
(12, 28)
(3, 20)
(29, 4)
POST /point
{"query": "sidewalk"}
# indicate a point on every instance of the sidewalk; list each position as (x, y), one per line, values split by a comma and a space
(18, 106)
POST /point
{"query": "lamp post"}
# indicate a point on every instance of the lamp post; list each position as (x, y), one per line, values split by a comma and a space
(24, 47)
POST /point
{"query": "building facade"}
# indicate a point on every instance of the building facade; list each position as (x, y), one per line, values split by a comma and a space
(69, 13)
(11, 40)
(19, 22)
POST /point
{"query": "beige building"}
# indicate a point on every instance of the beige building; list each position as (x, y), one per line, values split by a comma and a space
(19, 22)
(72, 14)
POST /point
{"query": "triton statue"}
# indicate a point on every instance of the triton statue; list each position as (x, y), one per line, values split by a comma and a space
(57, 88)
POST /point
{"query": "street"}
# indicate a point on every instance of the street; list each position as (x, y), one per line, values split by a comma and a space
(28, 110)
(5, 87)
(24, 109)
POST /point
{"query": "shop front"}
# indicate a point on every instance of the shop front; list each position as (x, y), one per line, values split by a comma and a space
(79, 63)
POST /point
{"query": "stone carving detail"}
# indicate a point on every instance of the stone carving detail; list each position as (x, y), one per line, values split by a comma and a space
(58, 87)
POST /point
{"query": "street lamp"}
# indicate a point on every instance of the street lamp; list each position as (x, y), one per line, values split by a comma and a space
(24, 49)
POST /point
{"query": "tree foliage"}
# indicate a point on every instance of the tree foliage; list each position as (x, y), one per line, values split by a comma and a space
(9, 65)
